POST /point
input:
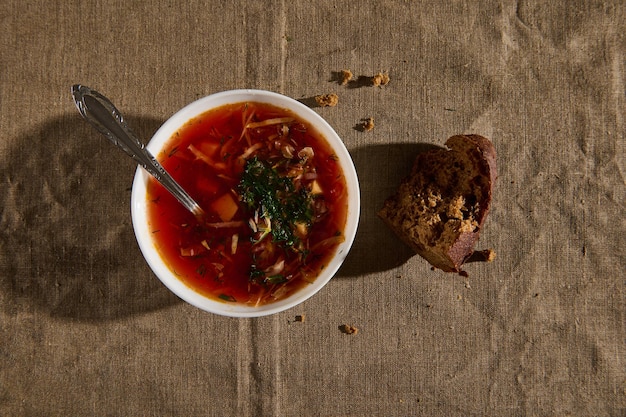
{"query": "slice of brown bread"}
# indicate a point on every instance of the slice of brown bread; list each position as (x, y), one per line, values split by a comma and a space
(441, 206)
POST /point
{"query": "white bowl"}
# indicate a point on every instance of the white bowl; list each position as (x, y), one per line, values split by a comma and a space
(139, 203)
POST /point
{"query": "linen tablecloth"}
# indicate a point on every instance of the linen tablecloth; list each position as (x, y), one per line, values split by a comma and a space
(87, 329)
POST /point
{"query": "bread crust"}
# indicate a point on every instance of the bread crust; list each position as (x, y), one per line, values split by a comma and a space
(440, 208)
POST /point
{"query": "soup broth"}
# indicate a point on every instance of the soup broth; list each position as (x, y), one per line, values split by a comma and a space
(275, 199)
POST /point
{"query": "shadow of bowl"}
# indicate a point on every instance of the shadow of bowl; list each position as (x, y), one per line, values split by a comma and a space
(66, 240)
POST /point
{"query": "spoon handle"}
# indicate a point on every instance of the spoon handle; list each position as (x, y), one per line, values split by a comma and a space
(103, 115)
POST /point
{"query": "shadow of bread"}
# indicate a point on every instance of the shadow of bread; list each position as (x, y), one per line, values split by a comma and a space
(66, 242)
(380, 168)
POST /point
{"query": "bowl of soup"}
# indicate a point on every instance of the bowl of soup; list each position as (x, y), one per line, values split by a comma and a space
(280, 195)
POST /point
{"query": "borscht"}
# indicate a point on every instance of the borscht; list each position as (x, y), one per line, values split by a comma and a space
(275, 199)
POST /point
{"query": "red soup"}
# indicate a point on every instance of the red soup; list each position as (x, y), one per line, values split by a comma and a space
(275, 197)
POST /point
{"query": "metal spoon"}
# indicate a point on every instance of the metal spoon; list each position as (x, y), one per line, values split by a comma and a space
(103, 115)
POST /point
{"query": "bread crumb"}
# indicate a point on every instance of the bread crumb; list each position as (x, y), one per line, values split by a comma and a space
(368, 124)
(380, 79)
(348, 329)
(346, 75)
(300, 318)
(327, 100)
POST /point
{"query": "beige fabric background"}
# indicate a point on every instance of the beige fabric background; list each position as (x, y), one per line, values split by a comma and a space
(86, 329)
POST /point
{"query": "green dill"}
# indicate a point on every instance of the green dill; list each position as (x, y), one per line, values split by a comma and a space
(262, 187)
(276, 279)
(258, 276)
(256, 273)
(227, 297)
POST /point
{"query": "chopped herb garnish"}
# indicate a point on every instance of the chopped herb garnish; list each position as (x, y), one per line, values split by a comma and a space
(227, 297)
(276, 279)
(256, 275)
(284, 206)
(259, 276)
